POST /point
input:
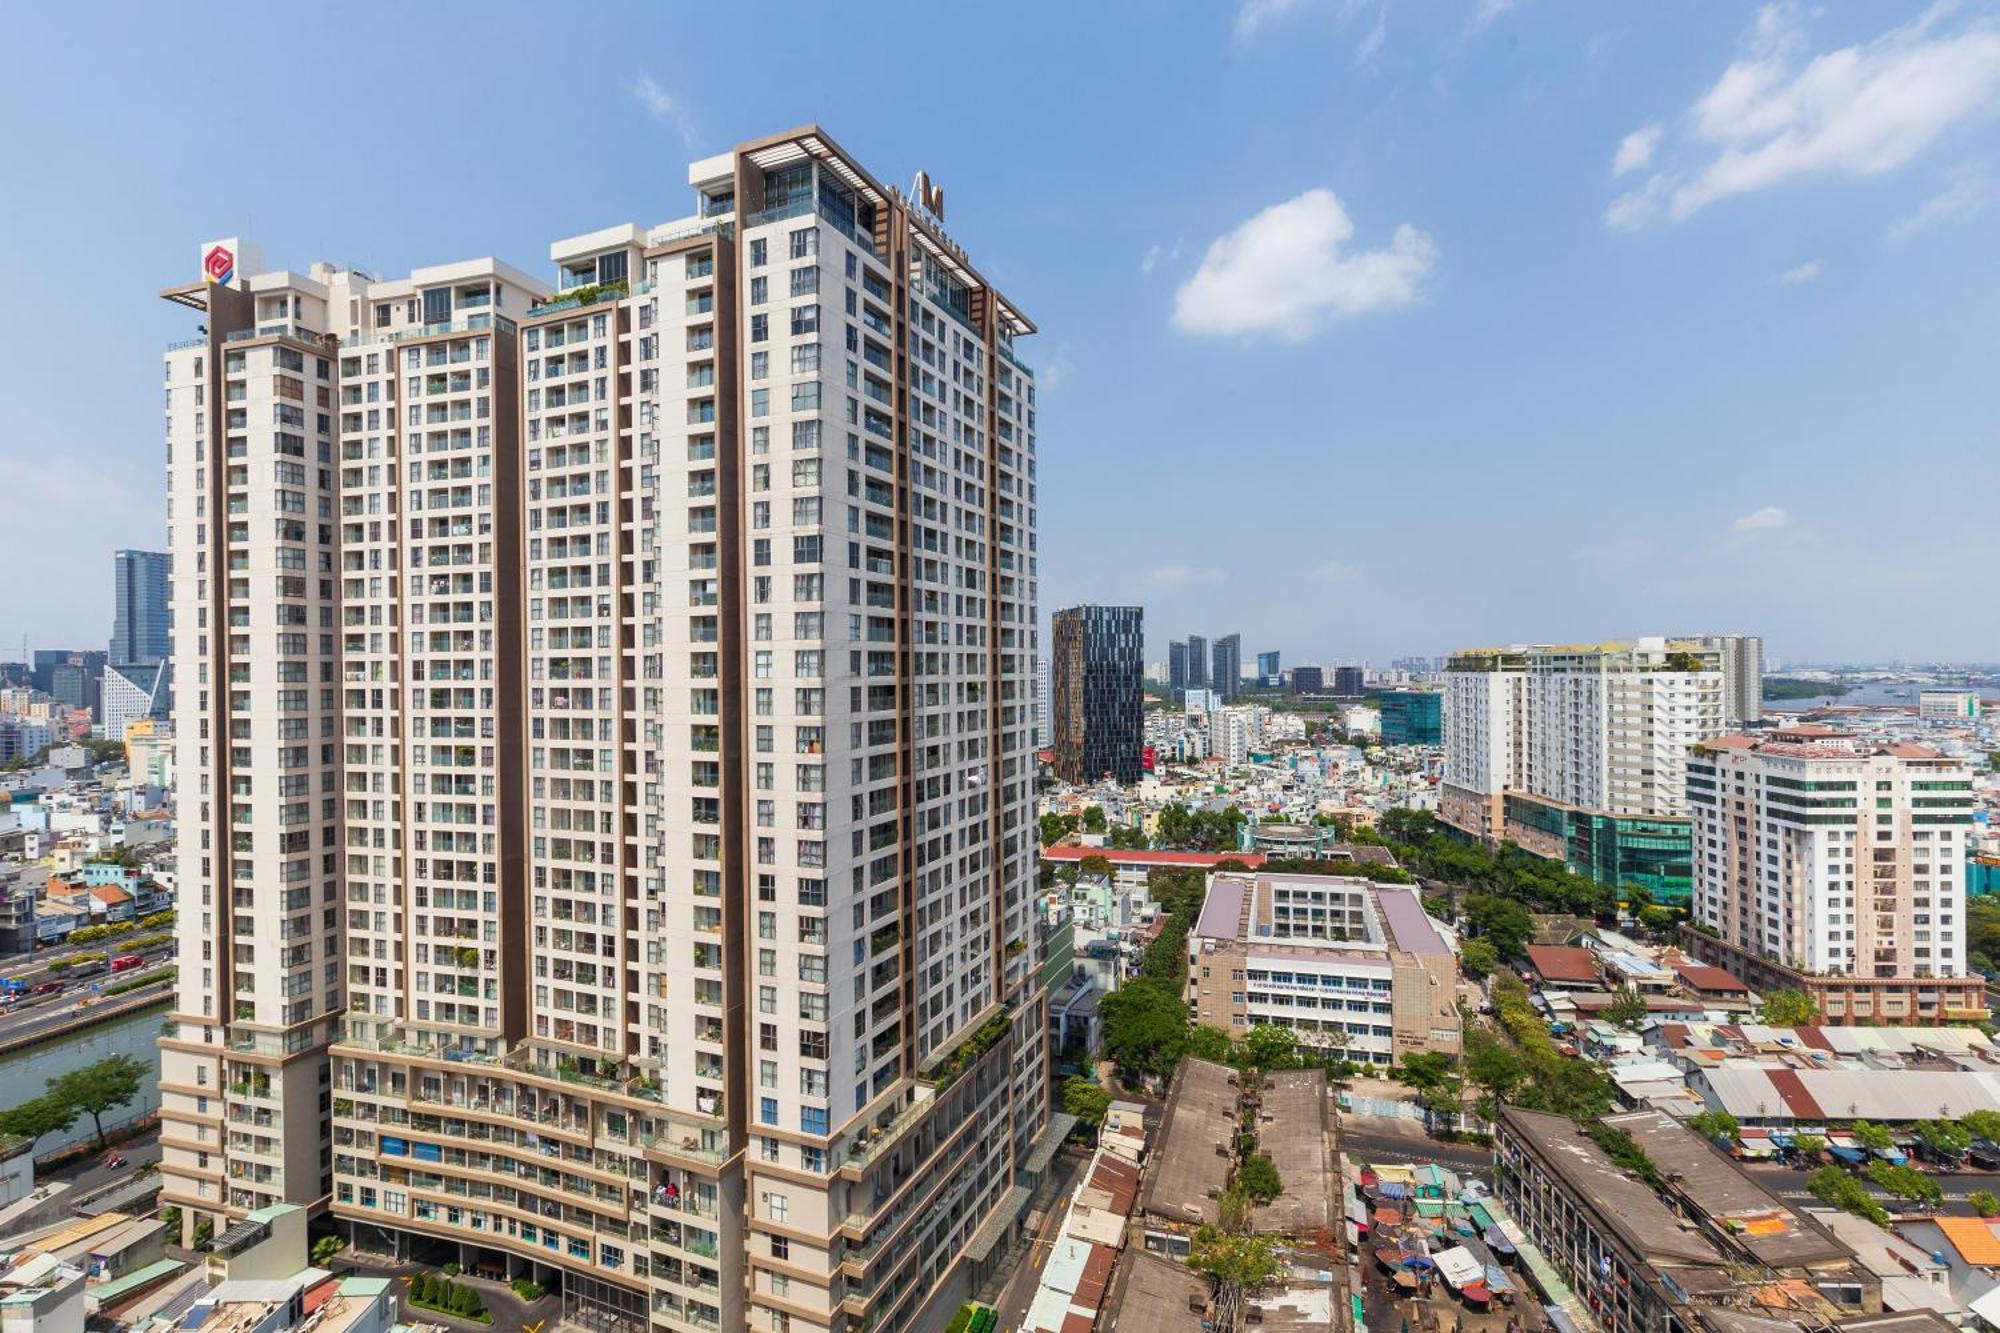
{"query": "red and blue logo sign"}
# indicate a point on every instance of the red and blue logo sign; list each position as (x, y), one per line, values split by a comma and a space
(218, 265)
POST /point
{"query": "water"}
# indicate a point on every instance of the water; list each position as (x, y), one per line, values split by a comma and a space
(1874, 693)
(22, 1076)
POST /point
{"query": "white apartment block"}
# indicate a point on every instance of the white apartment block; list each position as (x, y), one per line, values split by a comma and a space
(609, 705)
(1485, 737)
(1948, 705)
(1829, 854)
(1597, 727)
(1234, 732)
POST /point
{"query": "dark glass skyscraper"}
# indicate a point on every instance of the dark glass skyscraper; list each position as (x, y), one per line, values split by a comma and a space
(139, 627)
(1225, 672)
(1099, 671)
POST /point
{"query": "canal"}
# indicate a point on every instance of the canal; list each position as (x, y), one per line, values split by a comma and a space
(22, 1076)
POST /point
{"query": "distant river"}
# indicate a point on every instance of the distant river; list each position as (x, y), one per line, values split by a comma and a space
(1874, 693)
(22, 1076)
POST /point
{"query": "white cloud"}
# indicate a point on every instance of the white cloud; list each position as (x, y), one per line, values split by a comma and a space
(1779, 113)
(1636, 149)
(1254, 14)
(1283, 271)
(1799, 274)
(660, 105)
(1371, 44)
(1768, 519)
(1636, 207)
(1968, 195)
(1054, 372)
(1334, 571)
(1175, 576)
(1157, 255)
(1489, 10)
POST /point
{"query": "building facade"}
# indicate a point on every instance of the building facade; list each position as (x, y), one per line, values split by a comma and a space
(1197, 663)
(1308, 680)
(1838, 858)
(1177, 668)
(1225, 672)
(1579, 753)
(1948, 705)
(1349, 966)
(140, 623)
(1098, 691)
(1350, 682)
(1742, 667)
(1412, 717)
(1268, 670)
(607, 723)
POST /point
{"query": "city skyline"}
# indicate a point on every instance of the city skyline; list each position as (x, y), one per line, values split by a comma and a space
(1631, 298)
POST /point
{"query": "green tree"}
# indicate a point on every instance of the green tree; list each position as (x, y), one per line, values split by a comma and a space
(1258, 1177)
(1093, 819)
(1124, 838)
(1905, 1182)
(1056, 827)
(1984, 1202)
(1236, 1261)
(1085, 1100)
(1493, 1066)
(1501, 922)
(1871, 1136)
(1095, 864)
(324, 1249)
(1946, 1137)
(1210, 1043)
(1982, 1125)
(1628, 1007)
(1809, 1146)
(1790, 1009)
(1427, 1070)
(96, 1088)
(1267, 1046)
(39, 1116)
(1145, 1028)
(1715, 1125)
(1478, 958)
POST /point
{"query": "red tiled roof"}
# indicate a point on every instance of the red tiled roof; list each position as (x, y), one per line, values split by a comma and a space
(1813, 1037)
(1120, 1180)
(1553, 962)
(1702, 977)
(1195, 860)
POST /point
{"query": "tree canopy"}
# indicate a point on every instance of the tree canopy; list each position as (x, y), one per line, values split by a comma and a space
(97, 1088)
(1790, 1009)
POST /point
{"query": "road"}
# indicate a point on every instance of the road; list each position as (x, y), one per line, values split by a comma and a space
(1019, 1293)
(1373, 1139)
(85, 1178)
(1958, 1186)
(63, 1012)
(15, 965)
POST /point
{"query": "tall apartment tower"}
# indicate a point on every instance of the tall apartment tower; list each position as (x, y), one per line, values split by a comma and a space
(1197, 662)
(139, 627)
(685, 660)
(1834, 857)
(1225, 675)
(1097, 656)
(1177, 668)
(1742, 675)
(1579, 752)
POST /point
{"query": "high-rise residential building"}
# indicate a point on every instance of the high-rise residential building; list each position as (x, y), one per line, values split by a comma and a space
(1177, 668)
(1225, 672)
(1831, 864)
(1350, 682)
(606, 738)
(1045, 728)
(140, 625)
(1234, 733)
(1742, 674)
(1579, 752)
(1097, 689)
(1197, 663)
(1268, 672)
(1412, 717)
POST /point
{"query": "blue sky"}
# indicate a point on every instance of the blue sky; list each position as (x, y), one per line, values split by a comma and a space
(1367, 330)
